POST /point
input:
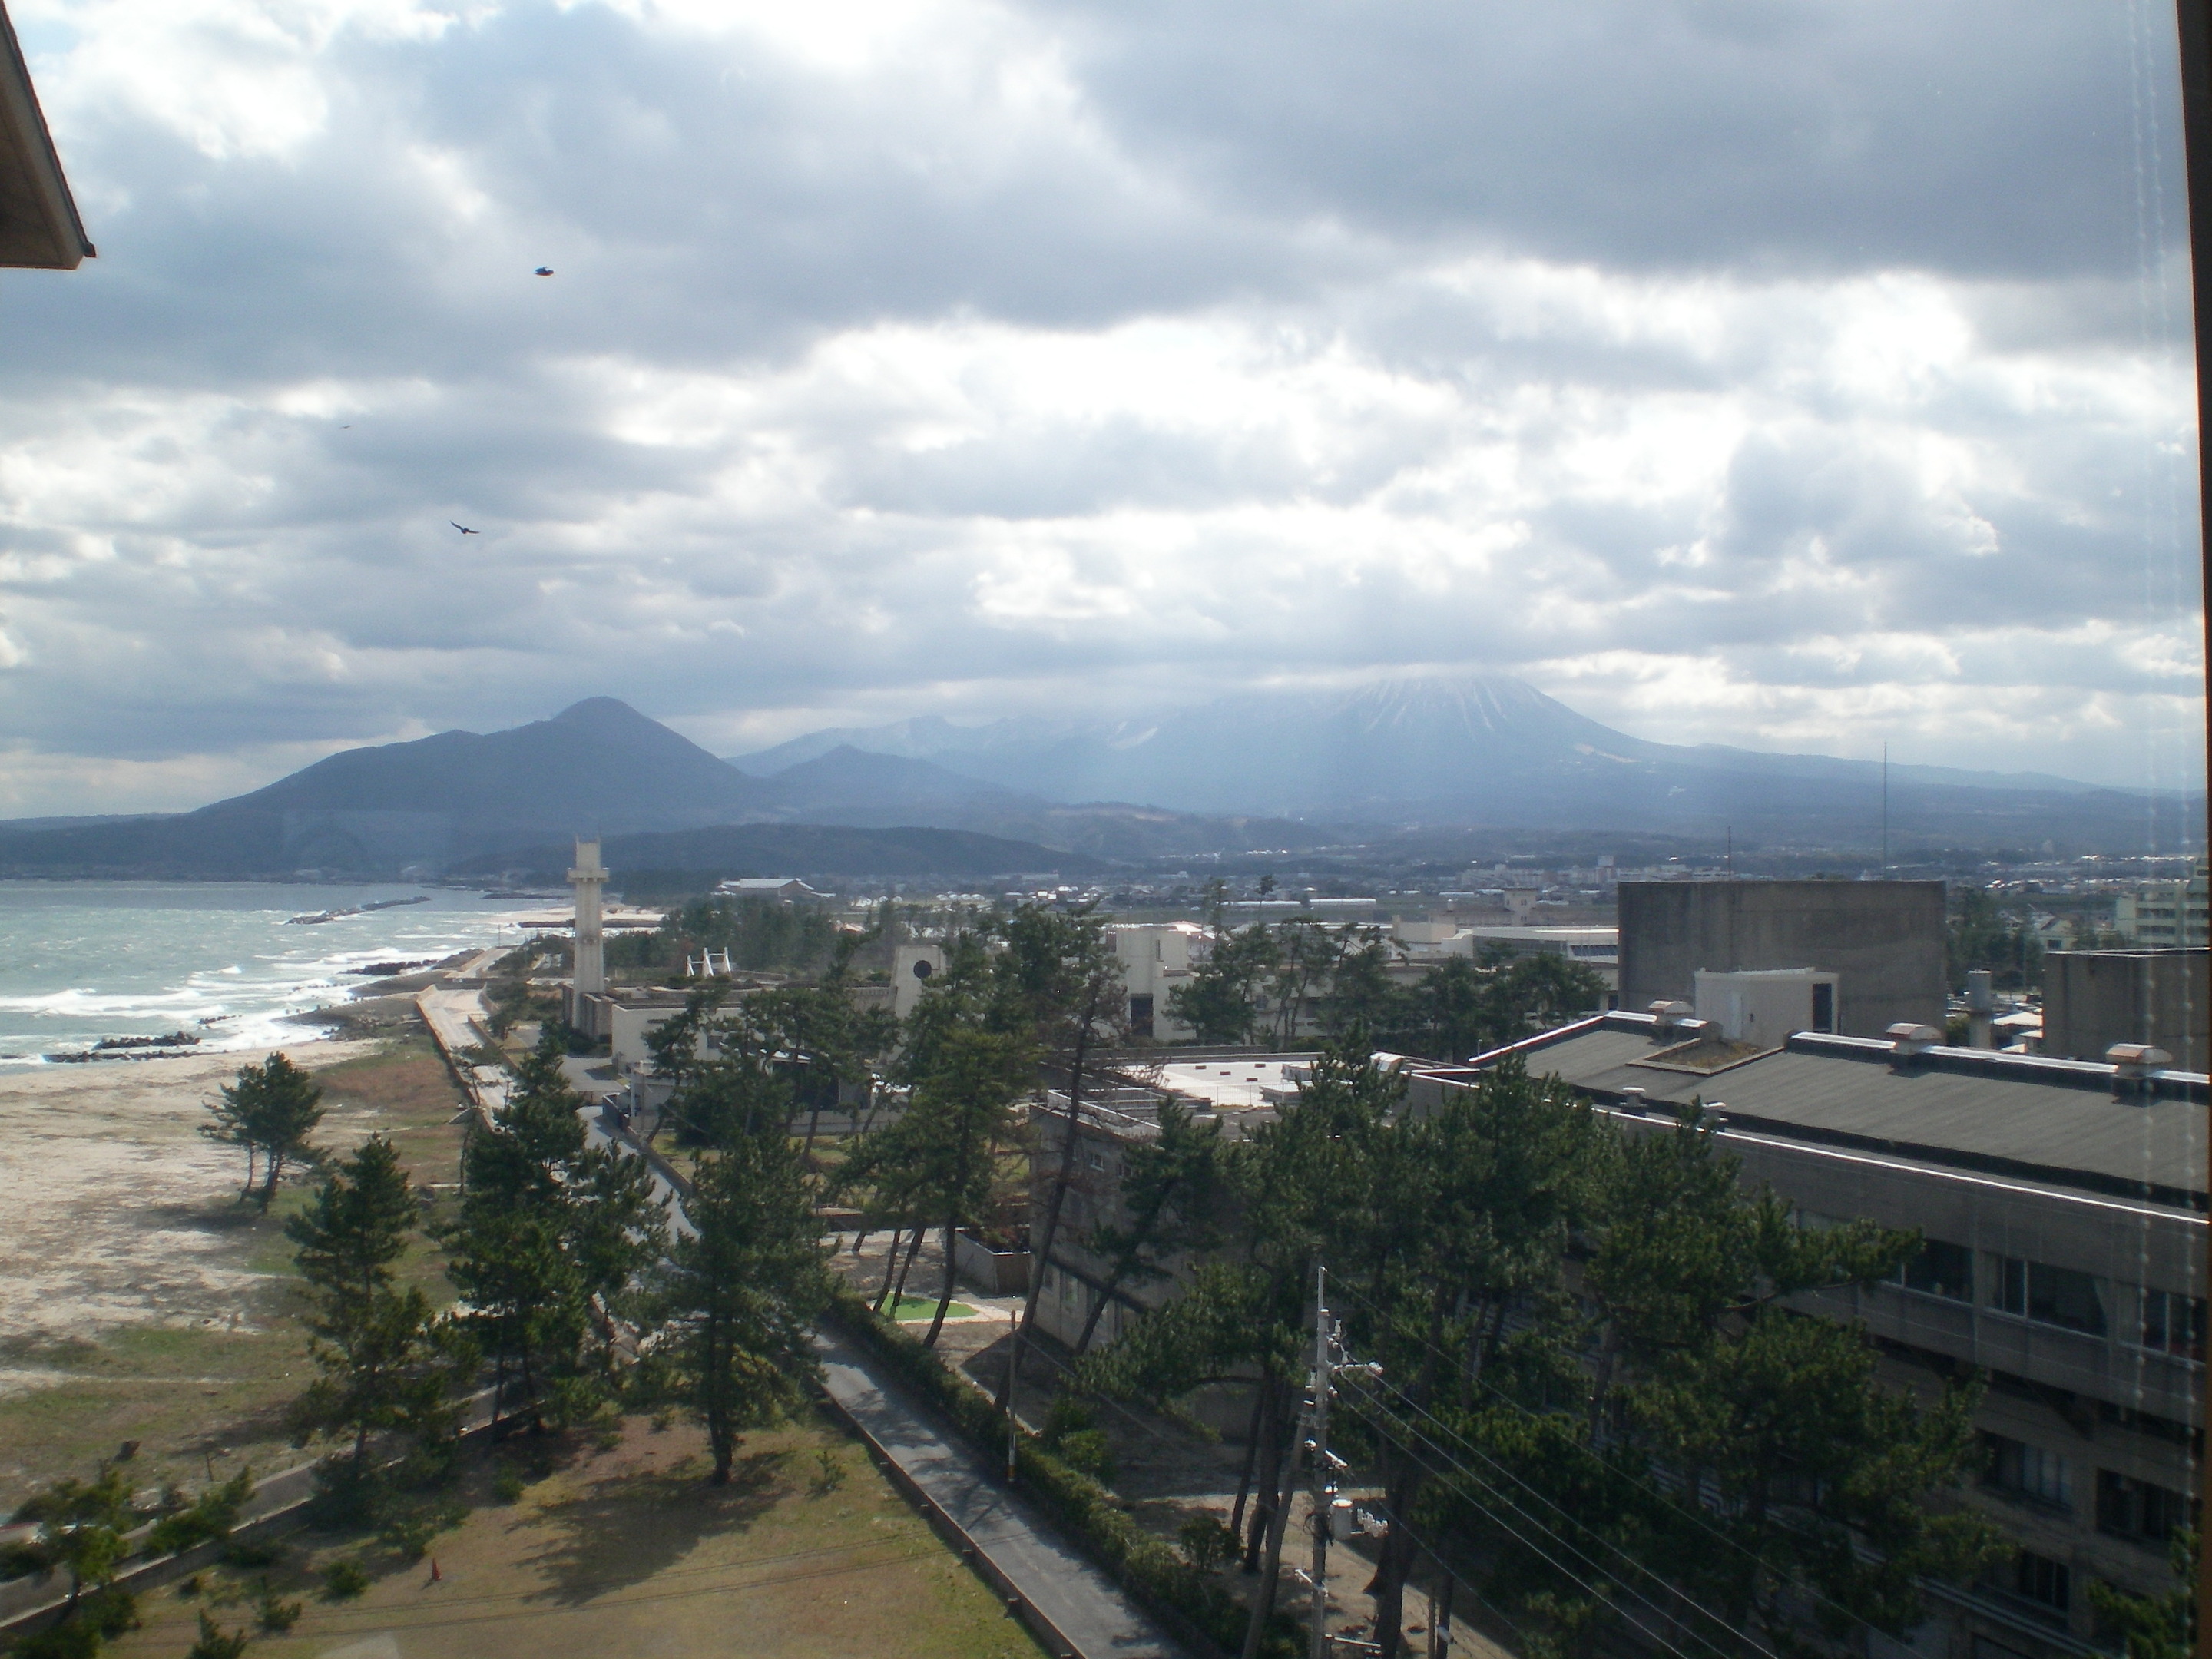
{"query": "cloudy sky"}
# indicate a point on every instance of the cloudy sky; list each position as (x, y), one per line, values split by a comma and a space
(1794, 374)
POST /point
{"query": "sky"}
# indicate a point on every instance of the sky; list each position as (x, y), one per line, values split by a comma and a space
(1800, 374)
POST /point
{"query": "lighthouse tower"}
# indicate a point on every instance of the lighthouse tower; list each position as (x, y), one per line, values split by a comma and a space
(585, 881)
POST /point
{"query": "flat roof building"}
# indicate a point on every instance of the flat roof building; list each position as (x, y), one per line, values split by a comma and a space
(2063, 1206)
(1883, 941)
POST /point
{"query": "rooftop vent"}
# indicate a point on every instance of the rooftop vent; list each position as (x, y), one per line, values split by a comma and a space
(1908, 1041)
(2132, 1064)
(1666, 1016)
(1632, 1100)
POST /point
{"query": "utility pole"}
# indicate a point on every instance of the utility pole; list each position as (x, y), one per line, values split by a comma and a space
(1324, 1477)
(1328, 1363)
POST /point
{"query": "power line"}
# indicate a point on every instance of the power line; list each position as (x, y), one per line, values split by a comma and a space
(1685, 1511)
(1522, 1516)
(1499, 1502)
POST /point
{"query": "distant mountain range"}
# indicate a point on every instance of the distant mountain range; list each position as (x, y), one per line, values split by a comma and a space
(807, 849)
(1477, 749)
(1282, 771)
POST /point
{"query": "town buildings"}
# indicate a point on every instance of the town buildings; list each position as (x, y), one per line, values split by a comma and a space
(2061, 1206)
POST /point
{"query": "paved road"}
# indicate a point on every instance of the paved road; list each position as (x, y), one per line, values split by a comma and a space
(1023, 1550)
(1027, 1553)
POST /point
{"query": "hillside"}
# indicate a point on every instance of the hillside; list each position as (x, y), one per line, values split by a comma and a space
(597, 765)
(832, 851)
(1490, 751)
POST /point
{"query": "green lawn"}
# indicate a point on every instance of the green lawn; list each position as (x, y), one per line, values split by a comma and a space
(925, 1307)
(627, 1549)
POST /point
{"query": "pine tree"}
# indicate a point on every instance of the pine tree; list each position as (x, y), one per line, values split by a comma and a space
(272, 1108)
(387, 1363)
(550, 1232)
(739, 1292)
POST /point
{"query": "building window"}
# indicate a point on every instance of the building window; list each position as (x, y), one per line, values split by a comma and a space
(2055, 1295)
(1824, 1008)
(2019, 1470)
(1140, 1017)
(2133, 1508)
(2048, 1583)
(2173, 1323)
(1940, 1268)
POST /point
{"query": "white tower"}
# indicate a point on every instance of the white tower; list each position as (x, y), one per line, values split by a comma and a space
(585, 882)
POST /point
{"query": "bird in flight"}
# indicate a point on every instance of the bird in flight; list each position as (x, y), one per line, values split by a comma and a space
(465, 530)
(542, 271)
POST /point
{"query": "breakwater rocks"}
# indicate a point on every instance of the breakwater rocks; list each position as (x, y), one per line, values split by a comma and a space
(320, 916)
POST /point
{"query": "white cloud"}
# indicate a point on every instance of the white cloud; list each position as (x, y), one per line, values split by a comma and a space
(929, 358)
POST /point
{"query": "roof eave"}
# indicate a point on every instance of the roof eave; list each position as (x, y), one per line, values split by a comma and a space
(39, 227)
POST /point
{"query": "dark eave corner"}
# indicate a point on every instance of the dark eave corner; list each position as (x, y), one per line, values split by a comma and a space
(40, 230)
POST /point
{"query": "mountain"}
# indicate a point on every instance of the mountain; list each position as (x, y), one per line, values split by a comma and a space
(845, 779)
(597, 765)
(800, 849)
(1479, 750)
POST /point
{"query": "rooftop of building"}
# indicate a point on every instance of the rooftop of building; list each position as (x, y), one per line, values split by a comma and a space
(2084, 1126)
(40, 230)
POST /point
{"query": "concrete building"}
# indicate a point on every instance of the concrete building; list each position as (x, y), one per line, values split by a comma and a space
(912, 966)
(2092, 1000)
(2165, 915)
(788, 889)
(587, 976)
(2063, 1206)
(40, 230)
(1763, 1005)
(1883, 941)
(1155, 957)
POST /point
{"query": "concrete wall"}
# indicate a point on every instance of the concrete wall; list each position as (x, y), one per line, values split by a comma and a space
(1883, 939)
(2094, 999)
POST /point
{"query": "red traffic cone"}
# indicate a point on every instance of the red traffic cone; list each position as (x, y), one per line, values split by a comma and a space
(435, 1574)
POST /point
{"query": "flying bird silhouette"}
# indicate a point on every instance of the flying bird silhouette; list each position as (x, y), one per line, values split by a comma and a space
(465, 530)
(542, 271)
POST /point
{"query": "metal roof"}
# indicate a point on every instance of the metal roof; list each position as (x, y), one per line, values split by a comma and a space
(2055, 1122)
(40, 230)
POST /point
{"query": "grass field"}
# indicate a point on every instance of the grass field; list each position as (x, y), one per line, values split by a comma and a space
(925, 1307)
(628, 1550)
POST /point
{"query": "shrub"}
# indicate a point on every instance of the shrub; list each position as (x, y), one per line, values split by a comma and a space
(236, 1554)
(211, 1516)
(410, 1530)
(342, 1581)
(214, 1643)
(1208, 1544)
(273, 1614)
(507, 1483)
(1144, 1564)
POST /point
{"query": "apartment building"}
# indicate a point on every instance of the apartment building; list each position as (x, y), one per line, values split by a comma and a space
(2166, 914)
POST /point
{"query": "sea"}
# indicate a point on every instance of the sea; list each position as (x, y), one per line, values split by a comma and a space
(226, 962)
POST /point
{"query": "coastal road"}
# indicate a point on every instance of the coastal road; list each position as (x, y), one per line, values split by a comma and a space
(1019, 1548)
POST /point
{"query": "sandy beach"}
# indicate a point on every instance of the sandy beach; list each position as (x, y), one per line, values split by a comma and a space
(138, 1298)
(109, 1186)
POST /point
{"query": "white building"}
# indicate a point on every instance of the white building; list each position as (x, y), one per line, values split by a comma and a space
(1155, 957)
(2165, 915)
(787, 888)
